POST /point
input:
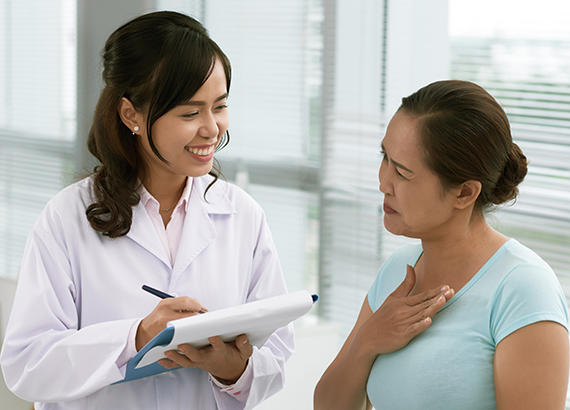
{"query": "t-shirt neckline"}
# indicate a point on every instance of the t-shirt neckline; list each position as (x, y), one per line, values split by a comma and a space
(480, 273)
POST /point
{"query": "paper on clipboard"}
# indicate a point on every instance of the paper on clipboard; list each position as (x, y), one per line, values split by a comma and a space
(258, 320)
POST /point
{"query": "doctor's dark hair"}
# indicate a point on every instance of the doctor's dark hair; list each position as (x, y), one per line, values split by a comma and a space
(156, 61)
(465, 135)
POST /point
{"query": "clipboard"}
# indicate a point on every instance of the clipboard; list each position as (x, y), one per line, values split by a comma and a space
(258, 320)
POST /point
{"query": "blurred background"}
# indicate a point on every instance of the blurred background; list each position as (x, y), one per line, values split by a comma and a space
(315, 83)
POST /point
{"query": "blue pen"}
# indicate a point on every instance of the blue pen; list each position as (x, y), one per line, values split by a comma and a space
(156, 292)
(162, 295)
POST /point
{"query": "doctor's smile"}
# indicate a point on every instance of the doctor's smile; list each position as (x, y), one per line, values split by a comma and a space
(203, 153)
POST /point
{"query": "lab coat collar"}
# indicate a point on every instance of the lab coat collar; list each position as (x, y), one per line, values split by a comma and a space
(216, 200)
(198, 231)
(143, 232)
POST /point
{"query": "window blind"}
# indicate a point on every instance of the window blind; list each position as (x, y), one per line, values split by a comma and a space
(267, 44)
(351, 242)
(531, 80)
(31, 172)
(291, 215)
(37, 115)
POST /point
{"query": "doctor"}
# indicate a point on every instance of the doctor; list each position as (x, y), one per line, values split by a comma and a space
(155, 213)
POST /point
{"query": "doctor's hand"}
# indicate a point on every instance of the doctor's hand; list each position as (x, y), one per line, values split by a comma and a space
(226, 361)
(166, 310)
(401, 317)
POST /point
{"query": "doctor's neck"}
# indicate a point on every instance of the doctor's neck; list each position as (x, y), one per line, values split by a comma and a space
(167, 190)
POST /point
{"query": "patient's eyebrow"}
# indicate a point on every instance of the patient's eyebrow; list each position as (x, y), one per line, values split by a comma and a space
(399, 165)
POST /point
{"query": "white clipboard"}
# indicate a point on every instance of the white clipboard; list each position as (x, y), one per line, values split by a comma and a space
(258, 320)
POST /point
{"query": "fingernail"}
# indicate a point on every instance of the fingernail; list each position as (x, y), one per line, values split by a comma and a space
(441, 299)
(444, 288)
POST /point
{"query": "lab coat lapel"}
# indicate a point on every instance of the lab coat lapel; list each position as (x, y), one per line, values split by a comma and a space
(199, 230)
(142, 232)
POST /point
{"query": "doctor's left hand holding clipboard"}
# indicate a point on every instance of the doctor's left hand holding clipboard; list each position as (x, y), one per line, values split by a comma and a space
(225, 361)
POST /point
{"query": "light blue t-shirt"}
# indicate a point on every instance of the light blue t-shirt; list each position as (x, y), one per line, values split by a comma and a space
(450, 365)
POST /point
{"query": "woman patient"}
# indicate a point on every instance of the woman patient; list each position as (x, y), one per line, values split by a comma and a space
(469, 318)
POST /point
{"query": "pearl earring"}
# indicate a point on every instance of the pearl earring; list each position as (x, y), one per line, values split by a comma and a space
(135, 128)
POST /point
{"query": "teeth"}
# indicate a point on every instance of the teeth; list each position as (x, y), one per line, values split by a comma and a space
(201, 151)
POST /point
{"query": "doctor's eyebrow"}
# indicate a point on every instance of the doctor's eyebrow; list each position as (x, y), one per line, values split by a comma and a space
(397, 164)
(202, 103)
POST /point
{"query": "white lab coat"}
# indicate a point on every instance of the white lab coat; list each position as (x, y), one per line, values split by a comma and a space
(79, 292)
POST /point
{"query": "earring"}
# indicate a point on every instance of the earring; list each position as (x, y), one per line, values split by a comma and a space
(136, 128)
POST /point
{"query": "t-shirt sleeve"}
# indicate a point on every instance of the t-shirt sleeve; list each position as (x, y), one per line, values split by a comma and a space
(375, 290)
(528, 294)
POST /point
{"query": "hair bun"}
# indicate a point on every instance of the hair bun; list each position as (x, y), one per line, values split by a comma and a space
(513, 173)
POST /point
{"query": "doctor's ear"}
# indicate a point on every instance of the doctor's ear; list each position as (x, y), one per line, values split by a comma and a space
(467, 194)
(132, 119)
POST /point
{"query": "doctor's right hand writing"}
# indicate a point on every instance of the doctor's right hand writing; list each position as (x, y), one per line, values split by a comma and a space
(166, 310)
(401, 317)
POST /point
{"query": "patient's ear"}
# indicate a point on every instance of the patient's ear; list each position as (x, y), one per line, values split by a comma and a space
(468, 193)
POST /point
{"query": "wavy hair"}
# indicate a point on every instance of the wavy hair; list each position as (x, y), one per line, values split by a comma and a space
(156, 61)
